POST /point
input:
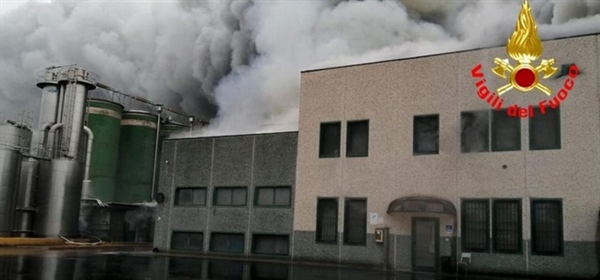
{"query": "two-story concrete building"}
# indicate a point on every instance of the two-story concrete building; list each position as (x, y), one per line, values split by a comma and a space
(408, 145)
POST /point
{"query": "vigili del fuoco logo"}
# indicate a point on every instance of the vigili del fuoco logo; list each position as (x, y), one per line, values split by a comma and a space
(525, 47)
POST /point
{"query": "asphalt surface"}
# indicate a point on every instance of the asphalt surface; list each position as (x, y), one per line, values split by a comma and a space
(62, 265)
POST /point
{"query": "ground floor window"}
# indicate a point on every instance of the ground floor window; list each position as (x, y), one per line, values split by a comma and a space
(475, 225)
(506, 225)
(270, 244)
(227, 242)
(327, 219)
(546, 227)
(187, 240)
(355, 221)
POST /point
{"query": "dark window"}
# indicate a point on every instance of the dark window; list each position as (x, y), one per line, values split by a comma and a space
(227, 242)
(190, 196)
(506, 132)
(546, 227)
(185, 267)
(329, 141)
(507, 226)
(278, 196)
(544, 130)
(357, 139)
(270, 244)
(475, 225)
(475, 131)
(235, 196)
(327, 220)
(355, 221)
(187, 241)
(222, 269)
(269, 271)
(426, 135)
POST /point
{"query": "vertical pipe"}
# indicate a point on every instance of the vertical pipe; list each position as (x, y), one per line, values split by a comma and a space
(159, 110)
(88, 155)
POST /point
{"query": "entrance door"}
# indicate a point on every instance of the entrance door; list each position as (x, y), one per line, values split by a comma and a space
(425, 244)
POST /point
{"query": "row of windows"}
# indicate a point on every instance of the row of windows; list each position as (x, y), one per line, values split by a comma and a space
(269, 244)
(355, 221)
(481, 131)
(233, 196)
(507, 228)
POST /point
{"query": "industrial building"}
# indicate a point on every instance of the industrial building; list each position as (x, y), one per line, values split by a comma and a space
(227, 194)
(407, 146)
(91, 169)
(401, 165)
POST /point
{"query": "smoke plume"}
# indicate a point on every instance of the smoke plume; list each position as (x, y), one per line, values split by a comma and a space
(238, 62)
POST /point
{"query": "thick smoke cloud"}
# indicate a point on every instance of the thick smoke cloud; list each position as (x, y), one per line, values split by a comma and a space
(239, 61)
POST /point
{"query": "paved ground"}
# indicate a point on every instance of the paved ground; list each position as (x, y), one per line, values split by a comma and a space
(72, 265)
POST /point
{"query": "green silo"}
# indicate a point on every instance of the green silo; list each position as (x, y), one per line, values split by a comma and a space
(104, 119)
(136, 157)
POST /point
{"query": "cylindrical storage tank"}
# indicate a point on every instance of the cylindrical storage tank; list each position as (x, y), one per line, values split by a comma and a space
(10, 167)
(25, 210)
(167, 129)
(104, 119)
(58, 198)
(136, 157)
(49, 105)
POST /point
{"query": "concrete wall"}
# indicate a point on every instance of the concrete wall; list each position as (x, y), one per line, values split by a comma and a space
(246, 160)
(389, 94)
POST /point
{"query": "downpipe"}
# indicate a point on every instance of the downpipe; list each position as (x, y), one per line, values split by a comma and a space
(87, 184)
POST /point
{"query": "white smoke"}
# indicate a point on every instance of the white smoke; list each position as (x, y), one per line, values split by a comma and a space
(240, 61)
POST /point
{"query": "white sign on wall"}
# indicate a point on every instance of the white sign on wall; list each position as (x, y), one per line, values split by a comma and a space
(374, 219)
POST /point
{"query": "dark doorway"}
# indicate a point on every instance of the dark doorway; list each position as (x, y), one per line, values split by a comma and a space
(425, 244)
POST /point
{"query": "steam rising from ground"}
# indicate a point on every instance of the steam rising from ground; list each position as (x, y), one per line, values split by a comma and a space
(239, 61)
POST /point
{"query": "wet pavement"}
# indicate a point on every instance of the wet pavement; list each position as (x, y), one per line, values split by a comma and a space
(63, 265)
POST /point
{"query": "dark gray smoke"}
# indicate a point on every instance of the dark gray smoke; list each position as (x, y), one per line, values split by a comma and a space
(239, 61)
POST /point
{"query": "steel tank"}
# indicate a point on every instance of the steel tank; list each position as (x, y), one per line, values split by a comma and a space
(58, 198)
(104, 119)
(136, 157)
(50, 97)
(11, 141)
(25, 210)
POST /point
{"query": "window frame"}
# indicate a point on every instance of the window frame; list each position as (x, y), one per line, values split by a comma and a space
(321, 140)
(174, 231)
(493, 134)
(258, 189)
(176, 197)
(211, 242)
(352, 122)
(561, 235)
(558, 130)
(347, 201)
(437, 151)
(253, 245)
(318, 237)
(464, 224)
(215, 192)
(519, 225)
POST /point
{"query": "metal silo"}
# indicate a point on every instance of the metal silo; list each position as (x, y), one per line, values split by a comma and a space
(11, 146)
(136, 157)
(104, 119)
(25, 210)
(59, 191)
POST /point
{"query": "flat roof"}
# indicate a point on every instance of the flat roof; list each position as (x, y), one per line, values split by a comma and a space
(432, 55)
(231, 135)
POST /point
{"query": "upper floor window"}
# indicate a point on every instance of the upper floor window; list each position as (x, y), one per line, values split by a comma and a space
(357, 139)
(273, 196)
(506, 132)
(426, 135)
(230, 196)
(544, 129)
(329, 140)
(190, 196)
(475, 131)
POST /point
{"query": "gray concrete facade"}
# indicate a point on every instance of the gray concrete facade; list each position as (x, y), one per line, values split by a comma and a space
(250, 161)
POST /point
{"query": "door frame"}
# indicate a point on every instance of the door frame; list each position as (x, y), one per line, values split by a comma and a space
(436, 221)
